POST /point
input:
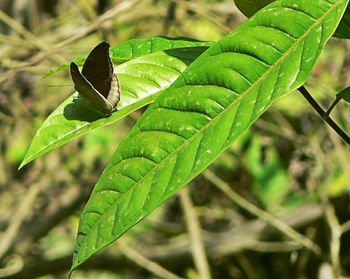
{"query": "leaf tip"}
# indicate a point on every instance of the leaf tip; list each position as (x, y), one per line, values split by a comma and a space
(23, 163)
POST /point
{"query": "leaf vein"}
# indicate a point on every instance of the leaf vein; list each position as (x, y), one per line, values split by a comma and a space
(163, 131)
(190, 110)
(278, 29)
(300, 11)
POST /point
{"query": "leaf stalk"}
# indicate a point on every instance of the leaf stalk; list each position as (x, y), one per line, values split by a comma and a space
(324, 115)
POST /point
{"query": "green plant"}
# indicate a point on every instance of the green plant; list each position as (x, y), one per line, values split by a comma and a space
(203, 99)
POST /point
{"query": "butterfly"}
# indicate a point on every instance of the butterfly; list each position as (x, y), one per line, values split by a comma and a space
(97, 81)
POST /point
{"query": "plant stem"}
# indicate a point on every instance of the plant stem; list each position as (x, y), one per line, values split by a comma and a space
(336, 233)
(324, 115)
(337, 100)
(195, 234)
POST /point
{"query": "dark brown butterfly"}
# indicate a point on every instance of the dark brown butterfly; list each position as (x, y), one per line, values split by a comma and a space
(97, 81)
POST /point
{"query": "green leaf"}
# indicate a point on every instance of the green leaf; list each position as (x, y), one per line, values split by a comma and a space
(269, 177)
(343, 30)
(250, 7)
(217, 98)
(139, 47)
(345, 94)
(142, 80)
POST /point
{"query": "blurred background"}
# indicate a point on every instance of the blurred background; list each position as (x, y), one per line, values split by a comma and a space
(289, 163)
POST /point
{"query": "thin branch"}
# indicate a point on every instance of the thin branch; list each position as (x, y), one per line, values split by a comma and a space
(146, 263)
(18, 218)
(198, 250)
(336, 101)
(324, 115)
(345, 227)
(261, 214)
(273, 247)
(336, 232)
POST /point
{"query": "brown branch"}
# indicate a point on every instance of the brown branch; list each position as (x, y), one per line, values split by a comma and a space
(195, 234)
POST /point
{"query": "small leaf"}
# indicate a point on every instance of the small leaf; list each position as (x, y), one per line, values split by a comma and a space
(343, 30)
(345, 94)
(142, 80)
(212, 103)
(270, 179)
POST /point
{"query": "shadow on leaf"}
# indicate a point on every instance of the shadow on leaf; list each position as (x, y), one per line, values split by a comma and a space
(186, 54)
(83, 110)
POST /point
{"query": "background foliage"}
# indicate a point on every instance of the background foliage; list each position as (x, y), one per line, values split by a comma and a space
(289, 163)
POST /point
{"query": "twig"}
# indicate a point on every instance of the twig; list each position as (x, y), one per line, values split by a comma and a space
(336, 232)
(18, 218)
(336, 101)
(324, 115)
(198, 250)
(261, 214)
(142, 261)
(346, 227)
(273, 247)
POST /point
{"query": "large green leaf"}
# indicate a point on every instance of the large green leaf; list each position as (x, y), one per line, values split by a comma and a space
(217, 98)
(142, 79)
(250, 7)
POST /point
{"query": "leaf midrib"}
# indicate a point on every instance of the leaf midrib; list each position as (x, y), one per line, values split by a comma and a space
(293, 46)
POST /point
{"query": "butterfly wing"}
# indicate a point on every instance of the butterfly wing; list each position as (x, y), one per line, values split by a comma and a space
(85, 88)
(115, 92)
(98, 69)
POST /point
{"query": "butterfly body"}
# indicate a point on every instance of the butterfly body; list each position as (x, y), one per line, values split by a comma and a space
(97, 81)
